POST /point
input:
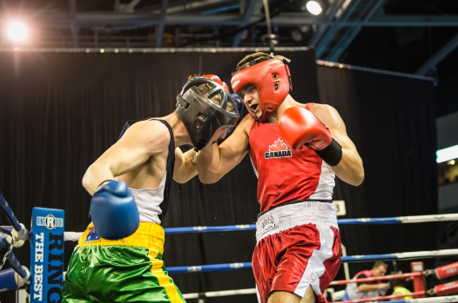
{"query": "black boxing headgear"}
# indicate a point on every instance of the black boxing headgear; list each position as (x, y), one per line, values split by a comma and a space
(199, 113)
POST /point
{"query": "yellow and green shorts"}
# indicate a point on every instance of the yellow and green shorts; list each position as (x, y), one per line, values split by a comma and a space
(126, 270)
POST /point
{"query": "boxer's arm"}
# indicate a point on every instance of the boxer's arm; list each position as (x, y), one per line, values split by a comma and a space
(367, 287)
(350, 168)
(372, 287)
(214, 161)
(185, 165)
(140, 142)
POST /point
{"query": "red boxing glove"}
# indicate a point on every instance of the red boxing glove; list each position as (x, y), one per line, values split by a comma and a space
(217, 80)
(299, 126)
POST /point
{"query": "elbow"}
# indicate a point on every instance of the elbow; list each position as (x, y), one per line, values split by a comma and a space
(88, 179)
(85, 182)
(206, 179)
(180, 181)
(359, 178)
(183, 179)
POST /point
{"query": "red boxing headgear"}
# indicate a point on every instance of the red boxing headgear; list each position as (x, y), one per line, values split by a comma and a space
(217, 80)
(273, 81)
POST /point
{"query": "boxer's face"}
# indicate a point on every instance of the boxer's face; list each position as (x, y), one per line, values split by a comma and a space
(250, 96)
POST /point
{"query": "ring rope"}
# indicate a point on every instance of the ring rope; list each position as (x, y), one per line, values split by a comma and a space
(390, 277)
(349, 259)
(23, 233)
(384, 298)
(403, 255)
(206, 268)
(341, 222)
(400, 220)
(249, 291)
(221, 293)
(207, 229)
(429, 300)
(7, 247)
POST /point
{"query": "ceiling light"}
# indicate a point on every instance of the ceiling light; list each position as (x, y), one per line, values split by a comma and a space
(446, 154)
(17, 31)
(314, 7)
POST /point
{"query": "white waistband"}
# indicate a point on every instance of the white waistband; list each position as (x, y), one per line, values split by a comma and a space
(285, 217)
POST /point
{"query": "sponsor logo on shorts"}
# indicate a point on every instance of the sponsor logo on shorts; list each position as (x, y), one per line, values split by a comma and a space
(313, 278)
(50, 221)
(92, 235)
(278, 150)
(268, 223)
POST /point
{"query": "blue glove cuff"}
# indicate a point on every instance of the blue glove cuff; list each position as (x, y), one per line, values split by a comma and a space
(114, 211)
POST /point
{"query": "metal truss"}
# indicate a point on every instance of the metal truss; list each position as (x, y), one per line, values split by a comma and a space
(333, 32)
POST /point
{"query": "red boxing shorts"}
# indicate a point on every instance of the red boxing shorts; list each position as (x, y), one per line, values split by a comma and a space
(297, 245)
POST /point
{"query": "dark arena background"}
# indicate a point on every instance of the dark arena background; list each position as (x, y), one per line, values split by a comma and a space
(389, 67)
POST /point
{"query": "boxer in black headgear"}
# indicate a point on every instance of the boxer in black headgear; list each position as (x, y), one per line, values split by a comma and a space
(199, 112)
(130, 184)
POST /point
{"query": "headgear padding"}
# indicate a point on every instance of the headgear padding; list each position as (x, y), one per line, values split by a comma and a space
(272, 79)
(201, 116)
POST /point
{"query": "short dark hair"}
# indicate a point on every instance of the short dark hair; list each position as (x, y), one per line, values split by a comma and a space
(256, 57)
(398, 282)
(380, 263)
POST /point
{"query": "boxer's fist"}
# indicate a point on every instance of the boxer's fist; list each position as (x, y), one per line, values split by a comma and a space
(217, 80)
(299, 126)
(113, 211)
(242, 112)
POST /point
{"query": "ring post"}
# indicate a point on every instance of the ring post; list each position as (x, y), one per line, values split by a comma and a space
(47, 255)
(418, 281)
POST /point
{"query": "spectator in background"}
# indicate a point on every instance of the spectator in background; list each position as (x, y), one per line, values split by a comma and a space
(372, 289)
(399, 289)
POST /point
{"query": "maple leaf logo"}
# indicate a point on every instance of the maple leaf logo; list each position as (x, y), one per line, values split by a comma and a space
(278, 145)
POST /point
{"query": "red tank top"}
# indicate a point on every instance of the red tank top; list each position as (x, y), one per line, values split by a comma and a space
(285, 175)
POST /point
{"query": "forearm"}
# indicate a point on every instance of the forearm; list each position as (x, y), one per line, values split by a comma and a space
(95, 175)
(209, 163)
(188, 169)
(367, 287)
(350, 168)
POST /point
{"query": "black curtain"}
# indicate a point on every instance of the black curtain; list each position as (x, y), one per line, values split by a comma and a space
(60, 111)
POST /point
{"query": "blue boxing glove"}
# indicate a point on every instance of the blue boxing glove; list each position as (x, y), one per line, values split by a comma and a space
(113, 211)
(242, 112)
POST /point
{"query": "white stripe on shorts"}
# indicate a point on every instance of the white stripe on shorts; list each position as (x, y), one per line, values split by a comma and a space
(315, 267)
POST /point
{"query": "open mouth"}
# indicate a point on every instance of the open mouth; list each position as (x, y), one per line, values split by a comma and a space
(254, 107)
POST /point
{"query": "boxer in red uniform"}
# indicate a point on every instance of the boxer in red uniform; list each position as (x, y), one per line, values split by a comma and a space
(296, 151)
